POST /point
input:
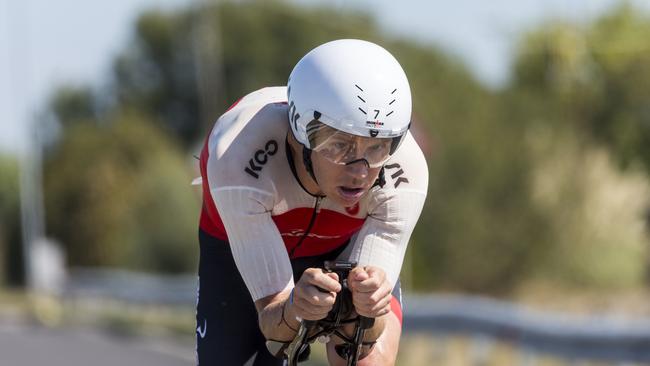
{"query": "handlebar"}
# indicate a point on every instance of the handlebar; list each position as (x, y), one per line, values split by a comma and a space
(300, 344)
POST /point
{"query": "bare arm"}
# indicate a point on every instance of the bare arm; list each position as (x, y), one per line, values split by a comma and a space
(277, 321)
(313, 298)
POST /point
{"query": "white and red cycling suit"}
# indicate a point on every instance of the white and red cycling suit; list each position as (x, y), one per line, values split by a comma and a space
(253, 200)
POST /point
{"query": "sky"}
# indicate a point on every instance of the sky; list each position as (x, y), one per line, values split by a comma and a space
(44, 44)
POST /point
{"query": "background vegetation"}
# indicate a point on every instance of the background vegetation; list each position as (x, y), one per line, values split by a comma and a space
(542, 181)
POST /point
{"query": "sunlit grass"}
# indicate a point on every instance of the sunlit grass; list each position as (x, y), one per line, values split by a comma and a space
(416, 349)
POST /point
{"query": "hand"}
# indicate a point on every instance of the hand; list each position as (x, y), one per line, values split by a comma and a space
(314, 294)
(371, 291)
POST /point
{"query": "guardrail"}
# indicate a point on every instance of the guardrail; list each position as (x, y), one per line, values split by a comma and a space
(131, 287)
(603, 337)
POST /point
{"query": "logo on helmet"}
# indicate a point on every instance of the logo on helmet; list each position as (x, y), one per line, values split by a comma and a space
(293, 115)
(374, 133)
(374, 124)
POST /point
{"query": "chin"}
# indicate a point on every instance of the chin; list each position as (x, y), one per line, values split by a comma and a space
(346, 202)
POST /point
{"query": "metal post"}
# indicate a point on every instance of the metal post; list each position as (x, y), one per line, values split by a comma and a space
(30, 158)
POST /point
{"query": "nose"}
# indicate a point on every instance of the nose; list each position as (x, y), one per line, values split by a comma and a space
(358, 168)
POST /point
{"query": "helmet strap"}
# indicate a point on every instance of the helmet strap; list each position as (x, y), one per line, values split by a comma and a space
(381, 179)
(306, 159)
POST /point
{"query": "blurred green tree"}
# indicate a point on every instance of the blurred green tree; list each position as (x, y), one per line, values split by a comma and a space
(479, 171)
(484, 227)
(120, 195)
(594, 79)
(481, 230)
(74, 104)
(229, 49)
(580, 88)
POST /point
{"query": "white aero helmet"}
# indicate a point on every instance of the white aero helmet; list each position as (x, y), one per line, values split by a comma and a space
(352, 86)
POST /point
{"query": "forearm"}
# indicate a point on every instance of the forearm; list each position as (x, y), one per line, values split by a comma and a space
(277, 320)
(377, 329)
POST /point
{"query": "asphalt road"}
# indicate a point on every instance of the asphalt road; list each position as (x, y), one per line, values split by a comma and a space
(38, 346)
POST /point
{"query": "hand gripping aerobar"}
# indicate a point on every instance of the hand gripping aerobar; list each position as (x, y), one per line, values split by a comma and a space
(341, 314)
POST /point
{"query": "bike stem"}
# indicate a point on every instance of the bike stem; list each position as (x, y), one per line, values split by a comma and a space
(359, 332)
(299, 343)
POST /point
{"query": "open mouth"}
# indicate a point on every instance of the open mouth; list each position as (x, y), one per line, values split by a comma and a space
(350, 193)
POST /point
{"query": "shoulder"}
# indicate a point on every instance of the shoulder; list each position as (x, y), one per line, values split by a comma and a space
(249, 119)
(402, 192)
(248, 138)
(407, 169)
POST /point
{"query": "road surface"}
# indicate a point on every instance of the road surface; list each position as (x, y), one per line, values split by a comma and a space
(22, 345)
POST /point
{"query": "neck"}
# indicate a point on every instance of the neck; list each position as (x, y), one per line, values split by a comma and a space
(303, 175)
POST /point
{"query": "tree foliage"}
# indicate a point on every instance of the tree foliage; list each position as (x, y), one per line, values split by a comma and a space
(120, 195)
(595, 79)
(239, 47)
(117, 189)
(584, 90)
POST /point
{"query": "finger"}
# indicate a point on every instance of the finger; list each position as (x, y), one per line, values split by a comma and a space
(374, 312)
(358, 274)
(382, 293)
(365, 312)
(311, 297)
(316, 277)
(333, 275)
(313, 309)
(381, 305)
(376, 272)
(376, 276)
(318, 298)
(368, 285)
(361, 298)
(310, 312)
(362, 301)
(371, 301)
(379, 312)
(386, 310)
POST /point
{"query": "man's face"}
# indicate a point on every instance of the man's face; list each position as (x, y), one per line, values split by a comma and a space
(343, 184)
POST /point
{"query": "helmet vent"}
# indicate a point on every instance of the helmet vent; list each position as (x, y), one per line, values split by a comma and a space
(364, 112)
(358, 87)
(393, 92)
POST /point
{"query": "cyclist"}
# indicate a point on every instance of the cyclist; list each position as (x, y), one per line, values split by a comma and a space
(321, 169)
